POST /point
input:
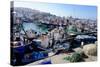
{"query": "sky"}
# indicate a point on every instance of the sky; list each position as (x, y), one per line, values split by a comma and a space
(78, 11)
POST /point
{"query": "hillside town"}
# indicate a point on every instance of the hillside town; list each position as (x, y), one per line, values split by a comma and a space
(26, 14)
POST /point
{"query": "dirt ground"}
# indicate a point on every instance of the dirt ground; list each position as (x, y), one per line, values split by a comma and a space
(58, 59)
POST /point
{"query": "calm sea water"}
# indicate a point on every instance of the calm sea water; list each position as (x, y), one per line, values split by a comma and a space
(35, 27)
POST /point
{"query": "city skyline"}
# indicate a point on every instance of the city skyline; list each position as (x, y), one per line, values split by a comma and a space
(78, 11)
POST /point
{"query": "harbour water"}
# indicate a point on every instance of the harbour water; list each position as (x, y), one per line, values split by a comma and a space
(34, 26)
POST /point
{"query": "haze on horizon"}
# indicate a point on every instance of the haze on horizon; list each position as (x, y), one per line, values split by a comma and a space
(77, 11)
